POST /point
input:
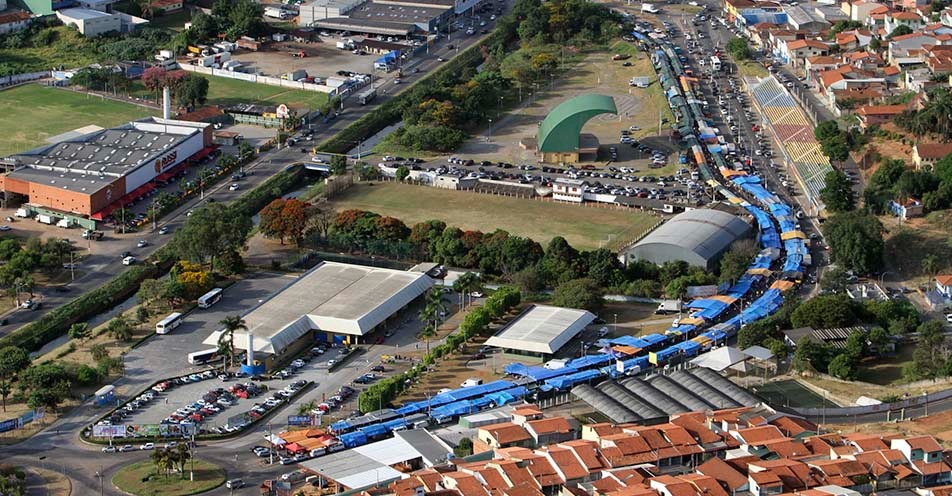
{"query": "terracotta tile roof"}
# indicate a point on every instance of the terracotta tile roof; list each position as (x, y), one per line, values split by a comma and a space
(516, 475)
(766, 478)
(466, 483)
(842, 467)
(639, 490)
(786, 448)
(758, 435)
(903, 472)
(933, 151)
(587, 453)
(506, 432)
(723, 473)
(911, 36)
(793, 426)
(932, 468)
(798, 44)
(704, 485)
(554, 425)
(607, 484)
(881, 109)
(526, 411)
(821, 60)
(696, 428)
(566, 462)
(945, 280)
(891, 71)
(828, 78)
(672, 485)
(925, 443)
(13, 17)
(905, 16)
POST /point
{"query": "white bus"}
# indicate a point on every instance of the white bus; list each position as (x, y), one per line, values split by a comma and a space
(201, 357)
(715, 64)
(169, 323)
(210, 298)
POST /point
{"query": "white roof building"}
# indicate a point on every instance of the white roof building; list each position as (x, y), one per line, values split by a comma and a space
(332, 297)
(542, 329)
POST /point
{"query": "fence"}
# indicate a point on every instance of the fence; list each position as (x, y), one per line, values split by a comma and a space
(22, 78)
(255, 78)
(22, 420)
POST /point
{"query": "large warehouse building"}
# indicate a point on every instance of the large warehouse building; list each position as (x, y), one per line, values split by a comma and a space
(84, 176)
(560, 139)
(333, 302)
(541, 330)
(698, 237)
(402, 18)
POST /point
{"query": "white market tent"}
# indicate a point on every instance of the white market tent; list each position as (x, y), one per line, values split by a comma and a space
(542, 329)
(721, 358)
(332, 297)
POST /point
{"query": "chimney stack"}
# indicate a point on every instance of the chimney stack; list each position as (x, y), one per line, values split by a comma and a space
(251, 349)
(166, 103)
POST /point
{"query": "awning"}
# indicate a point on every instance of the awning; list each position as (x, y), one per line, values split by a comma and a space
(293, 447)
(136, 193)
(204, 152)
(793, 235)
(759, 272)
(782, 285)
(169, 174)
(691, 321)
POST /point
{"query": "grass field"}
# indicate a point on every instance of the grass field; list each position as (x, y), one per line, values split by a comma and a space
(888, 370)
(54, 111)
(51, 47)
(225, 91)
(791, 393)
(129, 480)
(583, 227)
(747, 68)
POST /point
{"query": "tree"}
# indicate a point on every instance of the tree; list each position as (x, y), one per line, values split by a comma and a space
(879, 339)
(856, 345)
(837, 195)
(825, 312)
(210, 232)
(48, 384)
(79, 331)
(13, 359)
(403, 172)
(338, 165)
(226, 340)
(284, 219)
(835, 279)
(191, 90)
(306, 407)
(739, 49)
(931, 265)
(142, 314)
(930, 354)
(431, 314)
(734, 263)
(578, 293)
(811, 355)
(119, 328)
(466, 284)
(464, 448)
(856, 241)
(843, 366)
(900, 30)
(149, 291)
(98, 351)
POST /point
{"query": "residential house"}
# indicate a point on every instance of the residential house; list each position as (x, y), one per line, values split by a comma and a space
(926, 457)
(906, 209)
(925, 155)
(852, 40)
(502, 435)
(918, 80)
(945, 17)
(14, 21)
(797, 51)
(550, 430)
(910, 5)
(859, 10)
(874, 115)
(729, 477)
(895, 19)
(166, 6)
(907, 49)
(805, 18)
(943, 285)
(813, 66)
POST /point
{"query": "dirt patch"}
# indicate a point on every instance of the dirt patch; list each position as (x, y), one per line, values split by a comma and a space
(323, 59)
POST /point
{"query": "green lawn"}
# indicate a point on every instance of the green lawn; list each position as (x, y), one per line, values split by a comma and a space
(226, 91)
(174, 21)
(51, 47)
(129, 480)
(747, 68)
(583, 227)
(887, 370)
(32, 113)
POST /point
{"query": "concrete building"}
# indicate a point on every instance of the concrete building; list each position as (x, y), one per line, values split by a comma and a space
(541, 330)
(85, 175)
(91, 23)
(332, 303)
(392, 18)
(697, 237)
(14, 21)
(569, 190)
(925, 155)
(805, 18)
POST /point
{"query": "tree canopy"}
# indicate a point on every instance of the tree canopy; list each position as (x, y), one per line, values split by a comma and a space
(856, 241)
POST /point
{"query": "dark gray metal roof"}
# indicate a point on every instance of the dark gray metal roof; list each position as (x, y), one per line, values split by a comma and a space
(651, 395)
(717, 381)
(630, 401)
(667, 386)
(695, 236)
(601, 402)
(705, 390)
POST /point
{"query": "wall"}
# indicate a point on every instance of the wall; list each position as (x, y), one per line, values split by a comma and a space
(147, 171)
(254, 78)
(20, 78)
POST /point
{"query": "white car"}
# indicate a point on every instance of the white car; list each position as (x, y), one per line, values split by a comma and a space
(128, 260)
(147, 446)
(477, 294)
(948, 318)
(233, 187)
(5, 228)
(142, 243)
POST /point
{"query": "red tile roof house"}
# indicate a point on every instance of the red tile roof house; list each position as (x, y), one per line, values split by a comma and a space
(874, 115)
(502, 435)
(925, 155)
(925, 454)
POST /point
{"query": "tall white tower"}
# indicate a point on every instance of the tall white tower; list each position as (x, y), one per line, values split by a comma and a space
(166, 103)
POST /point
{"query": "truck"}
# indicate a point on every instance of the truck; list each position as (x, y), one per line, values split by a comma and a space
(164, 55)
(296, 75)
(215, 59)
(93, 235)
(23, 213)
(649, 8)
(669, 306)
(275, 13)
(345, 44)
(64, 223)
(367, 96)
(45, 219)
(248, 43)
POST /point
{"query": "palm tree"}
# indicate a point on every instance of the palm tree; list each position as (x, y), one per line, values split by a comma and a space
(227, 338)
(168, 461)
(426, 333)
(466, 284)
(182, 455)
(930, 264)
(431, 315)
(306, 407)
(119, 328)
(158, 459)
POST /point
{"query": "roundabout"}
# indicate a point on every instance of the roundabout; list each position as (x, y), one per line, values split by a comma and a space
(161, 478)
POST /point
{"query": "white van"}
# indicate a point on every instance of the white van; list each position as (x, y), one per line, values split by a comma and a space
(472, 381)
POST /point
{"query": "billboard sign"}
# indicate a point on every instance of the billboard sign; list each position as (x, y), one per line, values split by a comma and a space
(701, 291)
(109, 430)
(299, 420)
(8, 425)
(142, 430)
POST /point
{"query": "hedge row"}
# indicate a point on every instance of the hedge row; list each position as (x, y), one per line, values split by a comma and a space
(55, 323)
(391, 111)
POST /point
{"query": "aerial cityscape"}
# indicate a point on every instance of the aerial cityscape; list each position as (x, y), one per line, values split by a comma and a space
(476, 247)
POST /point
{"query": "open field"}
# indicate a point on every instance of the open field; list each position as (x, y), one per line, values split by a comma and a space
(583, 227)
(54, 111)
(130, 480)
(225, 91)
(887, 370)
(751, 69)
(590, 72)
(57, 46)
(791, 393)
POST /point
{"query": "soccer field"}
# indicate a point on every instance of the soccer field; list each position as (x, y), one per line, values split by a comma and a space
(584, 227)
(225, 91)
(31, 113)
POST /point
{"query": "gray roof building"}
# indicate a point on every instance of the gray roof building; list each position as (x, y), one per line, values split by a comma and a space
(698, 237)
